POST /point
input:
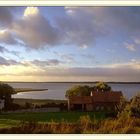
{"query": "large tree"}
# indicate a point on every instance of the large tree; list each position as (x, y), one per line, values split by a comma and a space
(5, 93)
(78, 91)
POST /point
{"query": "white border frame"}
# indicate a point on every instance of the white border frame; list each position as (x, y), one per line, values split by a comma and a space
(70, 136)
(69, 3)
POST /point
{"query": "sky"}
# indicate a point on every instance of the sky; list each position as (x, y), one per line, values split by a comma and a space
(48, 44)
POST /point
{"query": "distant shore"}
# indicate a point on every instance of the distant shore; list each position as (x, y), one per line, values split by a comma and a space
(22, 101)
(28, 89)
(74, 82)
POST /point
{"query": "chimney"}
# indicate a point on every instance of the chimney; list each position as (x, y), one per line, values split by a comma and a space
(91, 94)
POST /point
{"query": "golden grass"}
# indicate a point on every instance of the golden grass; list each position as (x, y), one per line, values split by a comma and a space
(127, 125)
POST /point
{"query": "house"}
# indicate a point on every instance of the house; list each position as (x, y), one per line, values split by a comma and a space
(97, 101)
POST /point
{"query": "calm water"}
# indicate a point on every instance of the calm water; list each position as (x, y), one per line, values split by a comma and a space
(57, 90)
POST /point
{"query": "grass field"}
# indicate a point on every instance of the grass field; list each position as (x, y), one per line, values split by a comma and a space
(37, 101)
(12, 119)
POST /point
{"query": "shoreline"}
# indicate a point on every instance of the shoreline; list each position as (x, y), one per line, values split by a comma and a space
(111, 82)
(18, 90)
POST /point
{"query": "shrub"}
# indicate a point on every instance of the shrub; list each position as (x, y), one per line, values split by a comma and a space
(5, 93)
(133, 108)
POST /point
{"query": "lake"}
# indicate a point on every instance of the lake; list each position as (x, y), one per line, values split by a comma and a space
(57, 90)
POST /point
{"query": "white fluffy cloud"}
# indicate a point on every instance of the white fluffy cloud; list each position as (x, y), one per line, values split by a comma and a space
(31, 11)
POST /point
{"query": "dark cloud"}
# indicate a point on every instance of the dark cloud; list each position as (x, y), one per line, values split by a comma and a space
(8, 62)
(7, 37)
(6, 16)
(37, 32)
(41, 63)
(50, 62)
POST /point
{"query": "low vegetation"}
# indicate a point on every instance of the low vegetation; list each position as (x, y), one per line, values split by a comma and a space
(12, 119)
(83, 126)
(126, 121)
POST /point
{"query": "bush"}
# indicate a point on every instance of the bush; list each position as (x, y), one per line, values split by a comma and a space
(133, 108)
(5, 93)
(102, 86)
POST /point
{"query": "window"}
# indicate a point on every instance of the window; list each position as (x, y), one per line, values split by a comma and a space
(102, 108)
(97, 108)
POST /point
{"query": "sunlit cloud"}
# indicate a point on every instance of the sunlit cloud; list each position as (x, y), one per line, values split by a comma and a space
(31, 11)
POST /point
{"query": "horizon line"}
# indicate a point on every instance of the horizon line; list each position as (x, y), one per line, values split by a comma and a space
(70, 81)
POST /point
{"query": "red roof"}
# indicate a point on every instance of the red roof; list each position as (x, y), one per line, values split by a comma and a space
(113, 96)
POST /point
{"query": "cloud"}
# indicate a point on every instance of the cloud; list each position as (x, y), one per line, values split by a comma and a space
(120, 18)
(31, 11)
(7, 37)
(39, 63)
(6, 17)
(50, 62)
(37, 32)
(130, 47)
(116, 72)
(4, 50)
(8, 62)
(79, 28)
(84, 25)
(68, 57)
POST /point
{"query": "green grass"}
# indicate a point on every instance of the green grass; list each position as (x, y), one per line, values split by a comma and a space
(8, 120)
(37, 101)
(6, 123)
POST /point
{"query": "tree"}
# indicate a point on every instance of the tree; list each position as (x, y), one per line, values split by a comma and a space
(133, 108)
(101, 86)
(122, 105)
(78, 91)
(5, 93)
